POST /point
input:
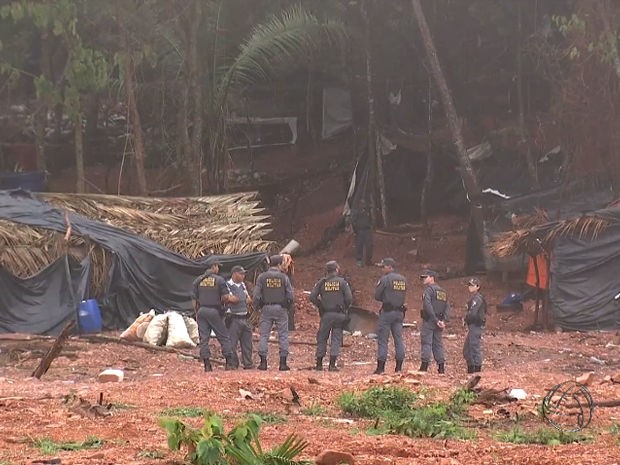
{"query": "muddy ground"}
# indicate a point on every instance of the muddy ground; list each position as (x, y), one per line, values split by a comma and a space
(515, 357)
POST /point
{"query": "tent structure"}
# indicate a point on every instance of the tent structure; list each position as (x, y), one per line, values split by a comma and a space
(143, 274)
(584, 265)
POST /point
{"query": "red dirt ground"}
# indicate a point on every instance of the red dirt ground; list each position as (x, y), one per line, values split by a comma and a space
(154, 381)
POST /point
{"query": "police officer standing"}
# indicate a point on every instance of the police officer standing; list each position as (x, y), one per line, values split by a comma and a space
(475, 319)
(390, 291)
(239, 329)
(332, 295)
(361, 223)
(272, 295)
(209, 293)
(435, 312)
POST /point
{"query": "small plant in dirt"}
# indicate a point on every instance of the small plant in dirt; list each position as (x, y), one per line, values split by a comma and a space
(394, 413)
(150, 454)
(314, 410)
(185, 412)
(543, 436)
(270, 417)
(211, 445)
(48, 446)
(615, 429)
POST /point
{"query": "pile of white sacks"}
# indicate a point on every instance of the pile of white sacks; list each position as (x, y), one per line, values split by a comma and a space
(171, 329)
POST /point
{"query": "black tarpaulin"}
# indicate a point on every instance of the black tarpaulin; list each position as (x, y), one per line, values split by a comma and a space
(144, 275)
(585, 277)
(43, 303)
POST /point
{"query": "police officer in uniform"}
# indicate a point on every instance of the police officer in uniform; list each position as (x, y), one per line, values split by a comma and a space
(435, 312)
(390, 291)
(361, 223)
(239, 328)
(475, 319)
(332, 295)
(272, 295)
(209, 294)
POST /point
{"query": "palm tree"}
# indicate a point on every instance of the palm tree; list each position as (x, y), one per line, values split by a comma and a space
(273, 47)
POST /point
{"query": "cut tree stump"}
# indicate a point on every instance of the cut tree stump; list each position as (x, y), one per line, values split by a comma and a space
(53, 352)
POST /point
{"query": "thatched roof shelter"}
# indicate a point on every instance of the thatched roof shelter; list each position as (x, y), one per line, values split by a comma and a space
(535, 231)
(193, 227)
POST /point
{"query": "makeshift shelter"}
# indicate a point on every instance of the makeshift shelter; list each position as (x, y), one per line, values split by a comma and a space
(129, 273)
(584, 265)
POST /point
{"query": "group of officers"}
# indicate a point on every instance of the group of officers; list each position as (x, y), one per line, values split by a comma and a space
(223, 307)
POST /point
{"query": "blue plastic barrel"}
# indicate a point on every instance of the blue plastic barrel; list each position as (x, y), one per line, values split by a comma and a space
(33, 181)
(89, 316)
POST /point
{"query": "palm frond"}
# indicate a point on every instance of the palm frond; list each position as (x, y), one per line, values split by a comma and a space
(284, 39)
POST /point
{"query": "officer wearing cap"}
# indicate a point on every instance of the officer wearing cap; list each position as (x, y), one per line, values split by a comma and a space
(475, 319)
(390, 291)
(332, 295)
(209, 294)
(435, 313)
(239, 328)
(272, 295)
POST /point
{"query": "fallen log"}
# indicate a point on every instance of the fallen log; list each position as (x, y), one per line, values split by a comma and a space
(53, 352)
(109, 339)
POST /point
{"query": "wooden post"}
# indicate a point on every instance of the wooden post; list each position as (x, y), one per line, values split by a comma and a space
(53, 352)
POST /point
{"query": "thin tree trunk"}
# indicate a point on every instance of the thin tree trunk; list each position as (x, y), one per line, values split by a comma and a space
(374, 157)
(40, 117)
(134, 116)
(525, 143)
(467, 172)
(80, 186)
(195, 92)
(428, 178)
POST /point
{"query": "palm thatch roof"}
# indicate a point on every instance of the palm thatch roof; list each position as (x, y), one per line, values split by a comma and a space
(193, 227)
(530, 236)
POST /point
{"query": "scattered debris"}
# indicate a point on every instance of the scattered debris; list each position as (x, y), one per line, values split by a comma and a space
(585, 379)
(518, 394)
(246, 395)
(111, 375)
(82, 407)
(333, 457)
(51, 354)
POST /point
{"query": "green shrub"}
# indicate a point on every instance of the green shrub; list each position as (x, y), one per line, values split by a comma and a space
(269, 417)
(543, 436)
(211, 445)
(48, 446)
(314, 410)
(377, 402)
(185, 412)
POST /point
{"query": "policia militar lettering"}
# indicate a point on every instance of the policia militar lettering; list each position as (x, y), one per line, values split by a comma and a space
(390, 291)
(332, 296)
(209, 294)
(272, 296)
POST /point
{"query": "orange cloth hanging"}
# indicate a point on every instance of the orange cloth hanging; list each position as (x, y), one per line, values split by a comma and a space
(542, 261)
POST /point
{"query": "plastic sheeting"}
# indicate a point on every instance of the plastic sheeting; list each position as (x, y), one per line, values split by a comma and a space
(585, 277)
(43, 303)
(144, 274)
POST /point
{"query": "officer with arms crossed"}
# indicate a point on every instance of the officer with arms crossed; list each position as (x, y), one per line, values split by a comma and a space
(239, 329)
(332, 295)
(475, 319)
(272, 295)
(209, 293)
(390, 291)
(435, 311)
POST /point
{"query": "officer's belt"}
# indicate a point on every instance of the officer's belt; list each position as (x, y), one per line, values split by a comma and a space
(281, 304)
(392, 308)
(237, 315)
(334, 310)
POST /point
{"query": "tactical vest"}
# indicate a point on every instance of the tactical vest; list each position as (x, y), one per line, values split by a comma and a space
(395, 290)
(440, 301)
(273, 287)
(332, 293)
(209, 294)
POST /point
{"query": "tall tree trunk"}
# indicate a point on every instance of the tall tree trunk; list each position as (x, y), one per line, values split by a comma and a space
(523, 133)
(373, 156)
(134, 117)
(467, 172)
(193, 68)
(428, 177)
(40, 117)
(80, 186)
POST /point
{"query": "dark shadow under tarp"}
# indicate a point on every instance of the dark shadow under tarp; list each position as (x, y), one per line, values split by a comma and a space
(144, 275)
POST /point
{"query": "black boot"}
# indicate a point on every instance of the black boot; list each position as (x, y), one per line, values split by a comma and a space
(442, 368)
(477, 368)
(471, 368)
(423, 366)
(263, 363)
(283, 365)
(208, 366)
(399, 366)
(319, 364)
(332, 363)
(380, 367)
(230, 364)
